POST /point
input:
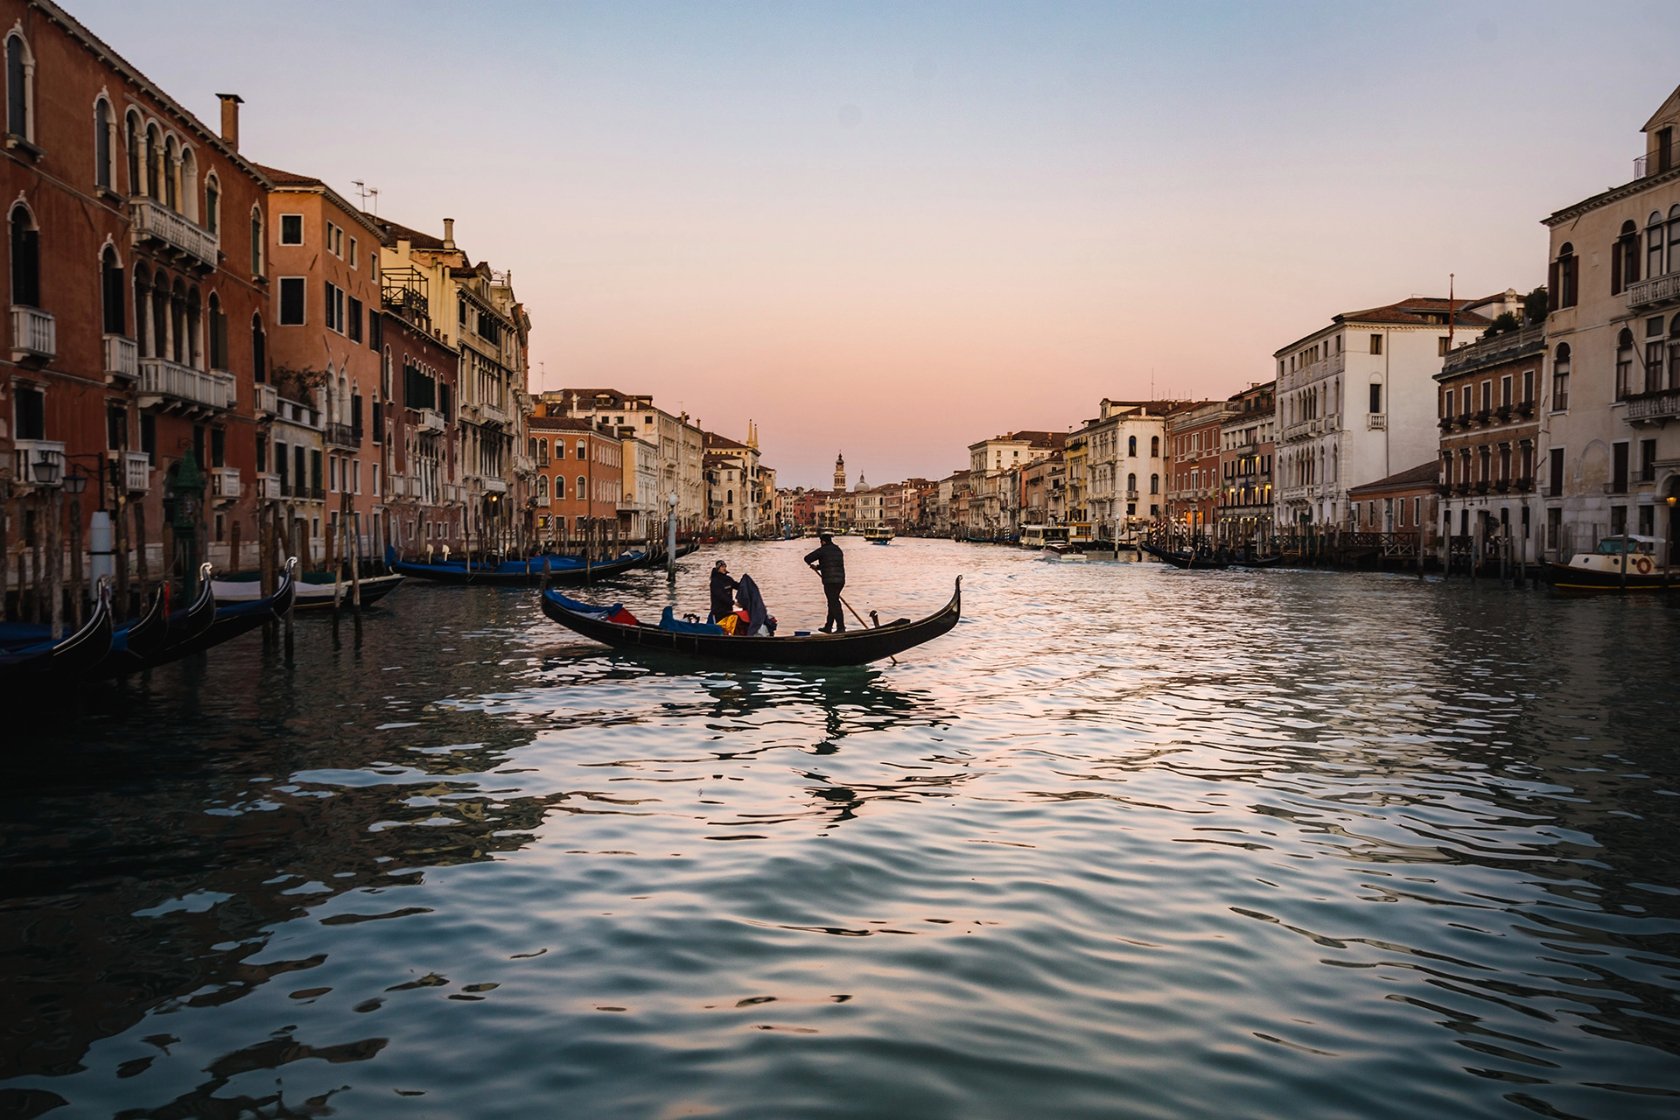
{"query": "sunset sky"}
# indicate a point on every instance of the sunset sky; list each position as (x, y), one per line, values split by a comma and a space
(896, 229)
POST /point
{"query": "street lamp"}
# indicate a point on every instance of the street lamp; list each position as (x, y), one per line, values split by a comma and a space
(47, 469)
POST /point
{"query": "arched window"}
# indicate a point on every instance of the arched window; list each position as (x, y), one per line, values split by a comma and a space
(186, 185)
(192, 350)
(542, 489)
(213, 204)
(1131, 446)
(104, 144)
(171, 175)
(1154, 449)
(1624, 258)
(154, 162)
(1560, 378)
(1131, 480)
(131, 142)
(1673, 238)
(580, 449)
(1154, 484)
(160, 316)
(583, 489)
(1565, 274)
(259, 350)
(113, 291)
(142, 291)
(1654, 256)
(20, 88)
(257, 243)
(559, 487)
(26, 257)
(1674, 354)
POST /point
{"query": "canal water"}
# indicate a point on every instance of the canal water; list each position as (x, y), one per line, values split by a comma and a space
(1128, 842)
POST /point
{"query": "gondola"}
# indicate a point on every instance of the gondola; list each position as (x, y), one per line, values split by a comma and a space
(153, 639)
(235, 619)
(314, 591)
(30, 663)
(537, 569)
(850, 647)
(1186, 559)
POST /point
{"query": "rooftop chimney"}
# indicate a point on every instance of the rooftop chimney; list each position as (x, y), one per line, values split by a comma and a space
(230, 119)
(449, 233)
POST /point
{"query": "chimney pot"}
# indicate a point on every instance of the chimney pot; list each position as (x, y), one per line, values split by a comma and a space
(230, 119)
(449, 233)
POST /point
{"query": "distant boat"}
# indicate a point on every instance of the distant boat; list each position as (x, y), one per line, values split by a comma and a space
(547, 568)
(615, 627)
(878, 534)
(1621, 563)
(1186, 558)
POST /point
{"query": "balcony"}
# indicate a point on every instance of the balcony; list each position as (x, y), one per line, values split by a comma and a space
(177, 386)
(191, 244)
(268, 487)
(122, 359)
(1446, 423)
(38, 461)
(1523, 483)
(34, 335)
(493, 413)
(523, 464)
(1376, 421)
(1658, 290)
(1654, 408)
(1481, 487)
(268, 400)
(1503, 486)
(131, 470)
(340, 435)
(431, 420)
(224, 483)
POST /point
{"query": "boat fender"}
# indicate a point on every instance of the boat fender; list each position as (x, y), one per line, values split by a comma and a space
(1643, 565)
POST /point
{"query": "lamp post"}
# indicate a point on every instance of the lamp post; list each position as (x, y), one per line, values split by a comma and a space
(187, 491)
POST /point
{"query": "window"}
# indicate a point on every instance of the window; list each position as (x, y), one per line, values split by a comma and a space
(335, 240)
(1376, 344)
(1560, 378)
(1654, 245)
(352, 252)
(559, 487)
(113, 292)
(29, 412)
(291, 301)
(1554, 483)
(1376, 398)
(1674, 238)
(1647, 460)
(26, 258)
(1505, 391)
(131, 141)
(582, 490)
(355, 321)
(1624, 258)
(1619, 467)
(1563, 278)
(1154, 447)
(334, 307)
(581, 453)
(212, 205)
(259, 350)
(1154, 484)
(104, 144)
(218, 335)
(20, 92)
(291, 229)
(257, 243)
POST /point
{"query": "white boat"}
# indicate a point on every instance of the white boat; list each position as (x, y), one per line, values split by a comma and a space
(1622, 563)
(315, 591)
(878, 534)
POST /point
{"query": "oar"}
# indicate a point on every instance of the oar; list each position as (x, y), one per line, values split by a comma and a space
(859, 618)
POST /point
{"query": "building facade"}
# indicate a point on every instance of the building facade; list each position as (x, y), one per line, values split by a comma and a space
(1244, 514)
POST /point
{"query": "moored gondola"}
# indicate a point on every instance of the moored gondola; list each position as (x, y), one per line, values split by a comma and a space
(1180, 558)
(532, 571)
(849, 647)
(31, 662)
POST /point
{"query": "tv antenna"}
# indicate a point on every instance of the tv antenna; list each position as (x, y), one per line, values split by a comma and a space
(366, 192)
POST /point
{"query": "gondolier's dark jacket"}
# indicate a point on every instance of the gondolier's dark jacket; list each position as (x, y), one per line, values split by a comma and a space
(722, 585)
(830, 562)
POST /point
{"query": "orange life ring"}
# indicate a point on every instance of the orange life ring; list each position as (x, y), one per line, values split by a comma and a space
(1643, 565)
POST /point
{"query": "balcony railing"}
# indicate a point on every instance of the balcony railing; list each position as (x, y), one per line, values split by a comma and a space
(1654, 406)
(431, 420)
(268, 399)
(122, 358)
(224, 483)
(133, 470)
(39, 462)
(1658, 289)
(155, 222)
(268, 487)
(1376, 421)
(340, 435)
(169, 382)
(34, 335)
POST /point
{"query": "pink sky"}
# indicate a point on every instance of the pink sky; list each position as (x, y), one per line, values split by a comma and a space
(896, 230)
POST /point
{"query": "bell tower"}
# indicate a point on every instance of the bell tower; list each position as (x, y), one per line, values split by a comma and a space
(840, 474)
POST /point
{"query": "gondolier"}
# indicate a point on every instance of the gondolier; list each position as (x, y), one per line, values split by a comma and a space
(830, 563)
(722, 586)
